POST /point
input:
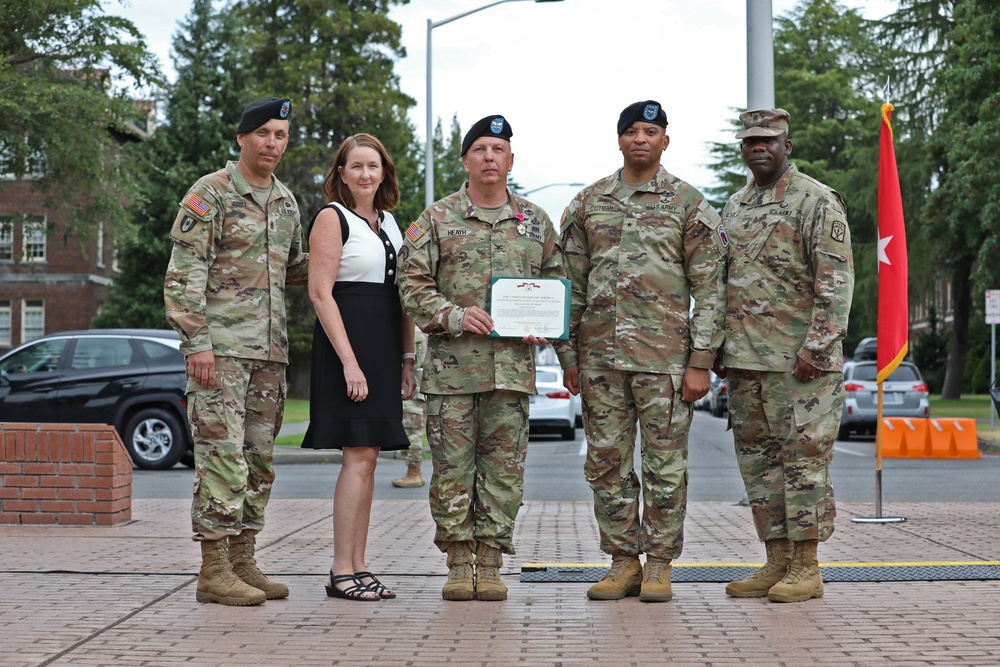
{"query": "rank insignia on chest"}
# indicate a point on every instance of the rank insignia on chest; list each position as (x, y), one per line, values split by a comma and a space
(197, 205)
(722, 235)
(413, 232)
(838, 232)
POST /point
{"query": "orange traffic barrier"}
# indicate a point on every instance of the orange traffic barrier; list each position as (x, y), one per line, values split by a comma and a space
(953, 439)
(903, 437)
(949, 438)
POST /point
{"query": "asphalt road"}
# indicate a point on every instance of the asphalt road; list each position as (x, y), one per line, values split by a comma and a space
(554, 471)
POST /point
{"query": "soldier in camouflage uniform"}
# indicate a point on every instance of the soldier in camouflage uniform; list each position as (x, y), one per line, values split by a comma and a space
(638, 245)
(414, 417)
(237, 240)
(790, 283)
(477, 387)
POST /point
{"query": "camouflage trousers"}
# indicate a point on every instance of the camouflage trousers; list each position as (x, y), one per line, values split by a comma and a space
(784, 432)
(234, 424)
(414, 418)
(478, 443)
(613, 401)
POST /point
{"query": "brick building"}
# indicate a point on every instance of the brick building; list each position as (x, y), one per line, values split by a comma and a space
(51, 280)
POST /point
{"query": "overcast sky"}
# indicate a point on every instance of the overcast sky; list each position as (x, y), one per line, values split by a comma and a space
(561, 72)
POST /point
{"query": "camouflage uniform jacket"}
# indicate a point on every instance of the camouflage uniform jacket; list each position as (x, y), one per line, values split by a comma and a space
(791, 275)
(445, 266)
(225, 284)
(635, 263)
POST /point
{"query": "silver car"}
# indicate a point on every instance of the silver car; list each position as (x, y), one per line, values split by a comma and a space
(554, 409)
(905, 394)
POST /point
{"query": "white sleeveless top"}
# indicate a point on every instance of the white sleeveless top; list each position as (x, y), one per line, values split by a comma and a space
(368, 257)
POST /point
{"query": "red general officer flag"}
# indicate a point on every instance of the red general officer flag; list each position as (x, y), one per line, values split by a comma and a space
(893, 306)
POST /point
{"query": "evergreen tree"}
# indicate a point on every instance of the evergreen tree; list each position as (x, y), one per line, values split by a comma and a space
(963, 212)
(199, 135)
(335, 60)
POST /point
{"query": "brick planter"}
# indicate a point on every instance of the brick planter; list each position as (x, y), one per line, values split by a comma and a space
(64, 474)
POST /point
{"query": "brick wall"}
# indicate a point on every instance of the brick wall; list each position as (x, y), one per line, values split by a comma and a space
(64, 474)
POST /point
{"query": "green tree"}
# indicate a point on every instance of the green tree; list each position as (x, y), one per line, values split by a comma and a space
(963, 212)
(202, 111)
(335, 59)
(449, 174)
(64, 67)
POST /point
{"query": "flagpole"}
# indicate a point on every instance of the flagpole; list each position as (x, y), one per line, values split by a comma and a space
(878, 518)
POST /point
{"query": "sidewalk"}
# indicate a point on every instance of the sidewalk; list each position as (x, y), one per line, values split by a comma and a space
(125, 596)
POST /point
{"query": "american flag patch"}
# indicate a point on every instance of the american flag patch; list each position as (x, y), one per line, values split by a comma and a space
(413, 232)
(197, 204)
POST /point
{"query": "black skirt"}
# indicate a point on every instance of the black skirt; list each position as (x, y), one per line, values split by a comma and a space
(373, 320)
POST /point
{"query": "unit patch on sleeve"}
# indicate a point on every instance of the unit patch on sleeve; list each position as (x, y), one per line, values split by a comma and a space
(722, 235)
(838, 231)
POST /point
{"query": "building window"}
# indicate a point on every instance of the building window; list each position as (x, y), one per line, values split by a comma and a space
(5, 322)
(6, 238)
(34, 238)
(100, 245)
(32, 319)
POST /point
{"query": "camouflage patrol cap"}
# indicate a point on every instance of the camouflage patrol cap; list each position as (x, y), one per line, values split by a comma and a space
(648, 111)
(493, 125)
(260, 111)
(763, 123)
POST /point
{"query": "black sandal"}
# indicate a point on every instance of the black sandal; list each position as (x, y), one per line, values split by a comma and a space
(375, 586)
(355, 592)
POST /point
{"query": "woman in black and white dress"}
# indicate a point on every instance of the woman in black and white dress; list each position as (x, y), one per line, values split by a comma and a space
(362, 355)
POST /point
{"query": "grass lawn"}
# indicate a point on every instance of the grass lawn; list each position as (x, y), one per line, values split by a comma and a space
(970, 406)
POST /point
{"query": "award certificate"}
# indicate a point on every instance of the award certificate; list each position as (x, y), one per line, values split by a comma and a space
(530, 306)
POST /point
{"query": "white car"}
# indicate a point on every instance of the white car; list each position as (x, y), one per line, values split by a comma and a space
(554, 409)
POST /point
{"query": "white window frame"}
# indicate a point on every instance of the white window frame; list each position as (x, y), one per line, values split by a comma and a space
(100, 244)
(7, 239)
(5, 322)
(34, 250)
(32, 309)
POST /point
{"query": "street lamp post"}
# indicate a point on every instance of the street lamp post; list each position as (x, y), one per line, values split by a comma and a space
(429, 152)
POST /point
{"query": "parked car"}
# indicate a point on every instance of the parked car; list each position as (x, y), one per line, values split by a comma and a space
(718, 396)
(554, 409)
(133, 379)
(866, 350)
(904, 394)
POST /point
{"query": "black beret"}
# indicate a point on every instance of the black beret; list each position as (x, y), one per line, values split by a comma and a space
(649, 111)
(260, 111)
(490, 126)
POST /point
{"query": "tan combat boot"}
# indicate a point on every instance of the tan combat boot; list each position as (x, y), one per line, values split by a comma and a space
(779, 552)
(489, 560)
(216, 581)
(803, 580)
(624, 579)
(460, 584)
(656, 581)
(241, 557)
(411, 479)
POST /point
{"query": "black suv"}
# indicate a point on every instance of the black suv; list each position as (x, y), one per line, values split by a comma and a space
(133, 379)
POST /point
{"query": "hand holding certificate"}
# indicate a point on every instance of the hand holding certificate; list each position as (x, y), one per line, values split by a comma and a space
(530, 307)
